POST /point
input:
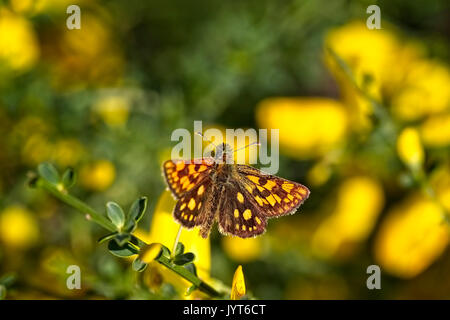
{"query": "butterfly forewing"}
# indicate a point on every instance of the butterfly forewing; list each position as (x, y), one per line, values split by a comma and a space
(191, 209)
(274, 195)
(184, 175)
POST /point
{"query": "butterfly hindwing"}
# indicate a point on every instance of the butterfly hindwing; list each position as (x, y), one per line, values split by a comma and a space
(239, 214)
(183, 175)
(274, 195)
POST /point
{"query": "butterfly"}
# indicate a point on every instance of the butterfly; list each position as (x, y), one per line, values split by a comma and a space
(241, 198)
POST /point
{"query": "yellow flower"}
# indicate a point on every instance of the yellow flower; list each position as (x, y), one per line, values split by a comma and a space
(409, 148)
(309, 127)
(98, 175)
(435, 130)
(426, 91)
(411, 237)
(238, 289)
(67, 152)
(359, 202)
(243, 250)
(18, 45)
(164, 230)
(18, 227)
(319, 174)
(369, 55)
(37, 148)
(114, 110)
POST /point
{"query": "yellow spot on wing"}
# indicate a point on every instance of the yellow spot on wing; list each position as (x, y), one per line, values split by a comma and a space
(236, 213)
(244, 227)
(169, 164)
(277, 198)
(183, 179)
(237, 226)
(271, 200)
(240, 197)
(287, 187)
(191, 168)
(191, 217)
(269, 185)
(201, 190)
(259, 200)
(183, 206)
(253, 179)
(258, 221)
(191, 204)
(202, 168)
(180, 166)
(247, 214)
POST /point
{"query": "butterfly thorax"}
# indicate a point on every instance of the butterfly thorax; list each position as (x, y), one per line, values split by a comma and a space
(223, 154)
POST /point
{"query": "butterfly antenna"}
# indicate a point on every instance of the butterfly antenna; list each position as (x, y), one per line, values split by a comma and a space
(249, 145)
(204, 138)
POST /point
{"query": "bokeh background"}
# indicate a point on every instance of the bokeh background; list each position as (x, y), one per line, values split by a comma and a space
(364, 120)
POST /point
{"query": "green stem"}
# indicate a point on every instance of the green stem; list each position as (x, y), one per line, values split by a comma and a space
(77, 204)
(105, 223)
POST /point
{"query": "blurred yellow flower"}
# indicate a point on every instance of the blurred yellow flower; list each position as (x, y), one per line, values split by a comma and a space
(369, 54)
(409, 148)
(319, 174)
(411, 237)
(19, 48)
(238, 289)
(164, 230)
(36, 149)
(309, 127)
(98, 175)
(360, 199)
(435, 130)
(18, 228)
(88, 55)
(114, 110)
(426, 91)
(243, 250)
(67, 152)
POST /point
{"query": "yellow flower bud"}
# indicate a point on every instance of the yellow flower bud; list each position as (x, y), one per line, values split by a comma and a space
(238, 289)
(409, 148)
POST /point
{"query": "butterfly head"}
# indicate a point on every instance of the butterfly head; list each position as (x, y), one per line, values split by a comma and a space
(223, 153)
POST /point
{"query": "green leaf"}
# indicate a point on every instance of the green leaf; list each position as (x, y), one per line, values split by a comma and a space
(191, 268)
(107, 237)
(121, 251)
(183, 259)
(135, 214)
(179, 249)
(68, 178)
(48, 172)
(115, 214)
(139, 265)
(122, 238)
